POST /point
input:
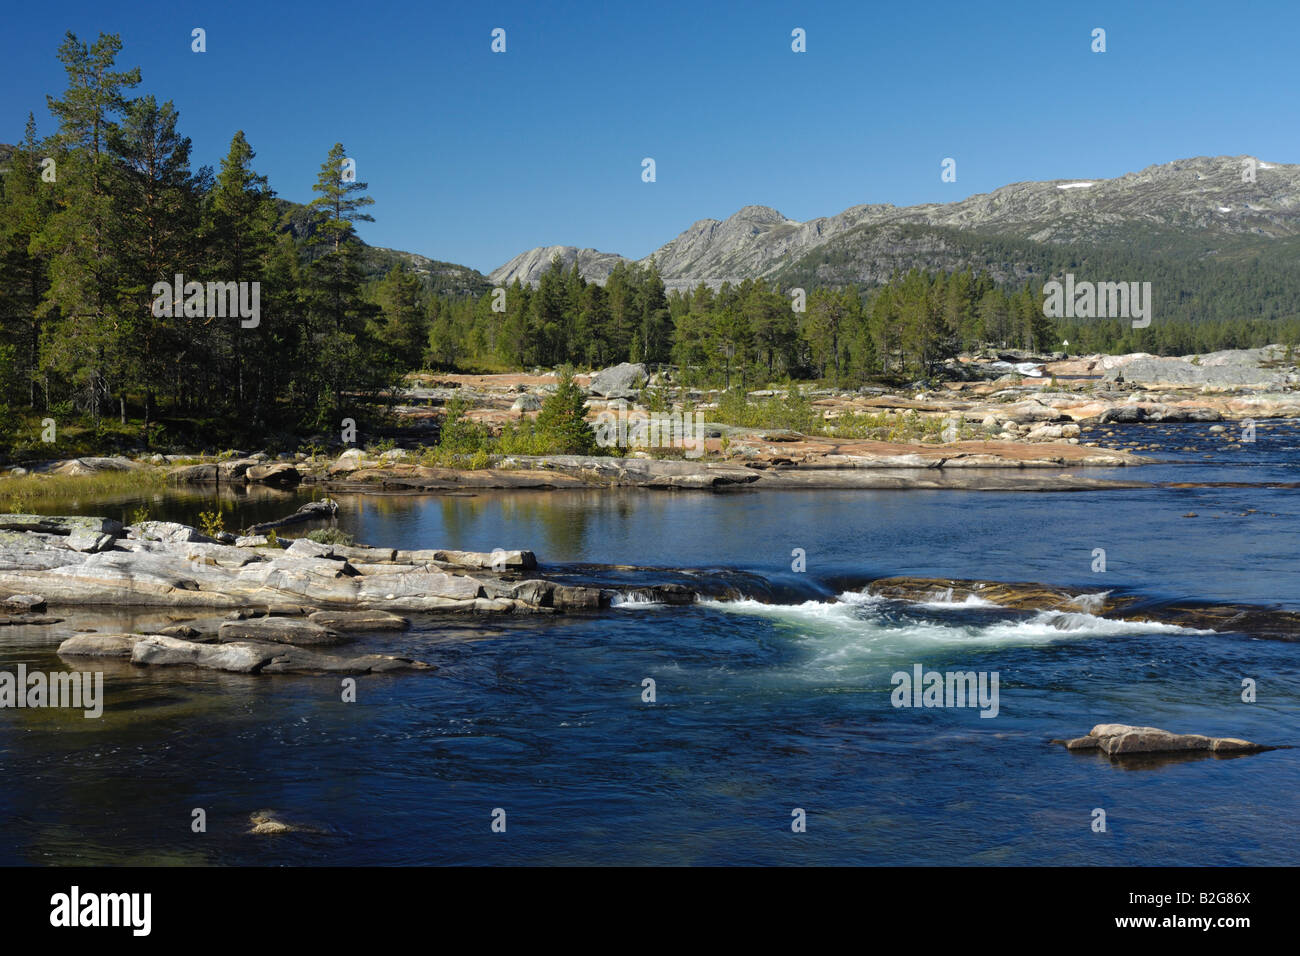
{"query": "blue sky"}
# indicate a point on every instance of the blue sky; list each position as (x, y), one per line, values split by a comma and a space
(473, 157)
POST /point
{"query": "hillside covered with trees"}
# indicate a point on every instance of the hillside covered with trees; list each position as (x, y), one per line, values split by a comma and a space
(108, 205)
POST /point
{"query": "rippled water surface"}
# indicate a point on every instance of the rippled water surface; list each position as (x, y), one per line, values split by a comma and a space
(762, 706)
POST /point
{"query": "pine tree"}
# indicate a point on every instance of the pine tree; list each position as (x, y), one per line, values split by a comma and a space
(402, 324)
(159, 212)
(239, 229)
(338, 311)
(562, 421)
(83, 236)
(26, 204)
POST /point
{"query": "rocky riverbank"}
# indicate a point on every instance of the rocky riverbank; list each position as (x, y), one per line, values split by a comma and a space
(285, 599)
(997, 421)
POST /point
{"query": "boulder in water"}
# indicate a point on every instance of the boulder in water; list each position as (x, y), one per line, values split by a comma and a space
(1116, 740)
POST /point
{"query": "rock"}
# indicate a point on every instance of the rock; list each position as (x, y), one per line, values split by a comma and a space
(281, 473)
(236, 658)
(299, 581)
(549, 594)
(526, 403)
(673, 594)
(99, 645)
(252, 541)
(251, 657)
(89, 542)
(502, 560)
(184, 631)
(235, 470)
(359, 621)
(60, 524)
(170, 532)
(78, 467)
(23, 602)
(16, 619)
(268, 822)
(1046, 433)
(1228, 745)
(363, 554)
(192, 474)
(297, 660)
(307, 548)
(278, 630)
(620, 381)
(1228, 368)
(350, 461)
(1122, 414)
(1117, 740)
(1029, 411)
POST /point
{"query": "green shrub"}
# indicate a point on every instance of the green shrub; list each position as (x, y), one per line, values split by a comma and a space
(212, 523)
(331, 536)
(562, 421)
(460, 435)
(794, 411)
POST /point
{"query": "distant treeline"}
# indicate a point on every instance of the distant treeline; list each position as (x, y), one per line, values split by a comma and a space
(754, 331)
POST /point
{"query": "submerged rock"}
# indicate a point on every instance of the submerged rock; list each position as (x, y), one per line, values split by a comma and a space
(271, 822)
(252, 657)
(359, 620)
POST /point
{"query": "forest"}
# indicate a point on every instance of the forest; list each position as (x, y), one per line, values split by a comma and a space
(107, 205)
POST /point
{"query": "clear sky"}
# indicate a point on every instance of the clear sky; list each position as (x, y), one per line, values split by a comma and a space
(473, 156)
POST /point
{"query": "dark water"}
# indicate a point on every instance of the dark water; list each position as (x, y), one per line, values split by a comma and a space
(760, 708)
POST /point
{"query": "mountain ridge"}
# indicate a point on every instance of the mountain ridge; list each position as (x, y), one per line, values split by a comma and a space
(1202, 195)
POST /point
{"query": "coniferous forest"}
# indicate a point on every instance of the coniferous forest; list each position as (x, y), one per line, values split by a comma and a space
(110, 203)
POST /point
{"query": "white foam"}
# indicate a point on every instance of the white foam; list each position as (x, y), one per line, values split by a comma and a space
(943, 599)
(628, 601)
(852, 630)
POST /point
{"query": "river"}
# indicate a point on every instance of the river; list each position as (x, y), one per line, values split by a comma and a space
(769, 705)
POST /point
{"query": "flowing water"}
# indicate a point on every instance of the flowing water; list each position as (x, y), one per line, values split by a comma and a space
(777, 702)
